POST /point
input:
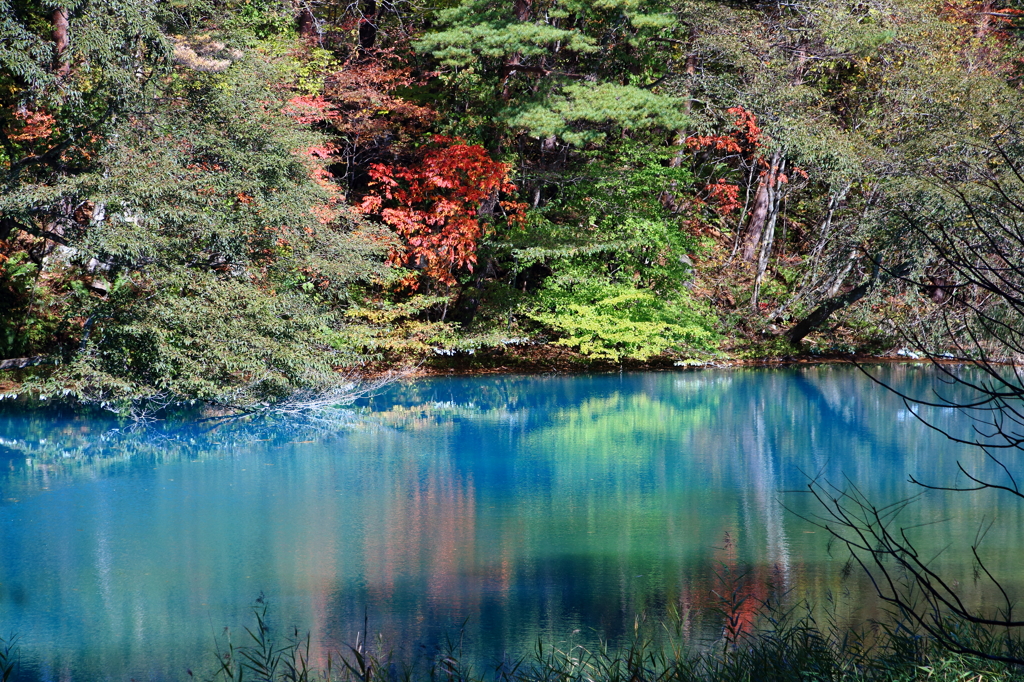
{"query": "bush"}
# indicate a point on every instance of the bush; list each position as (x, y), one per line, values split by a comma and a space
(617, 321)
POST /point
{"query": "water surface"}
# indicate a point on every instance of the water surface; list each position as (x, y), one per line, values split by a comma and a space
(506, 508)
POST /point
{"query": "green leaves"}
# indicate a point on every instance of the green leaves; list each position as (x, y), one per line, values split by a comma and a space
(198, 335)
(479, 32)
(114, 50)
(218, 252)
(615, 321)
(573, 70)
(580, 114)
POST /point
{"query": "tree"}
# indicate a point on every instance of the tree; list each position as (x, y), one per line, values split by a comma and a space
(433, 204)
(853, 95)
(617, 258)
(554, 70)
(67, 73)
(206, 254)
(367, 121)
(59, 97)
(971, 217)
(569, 95)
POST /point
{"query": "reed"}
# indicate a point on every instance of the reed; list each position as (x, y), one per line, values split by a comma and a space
(8, 657)
(786, 645)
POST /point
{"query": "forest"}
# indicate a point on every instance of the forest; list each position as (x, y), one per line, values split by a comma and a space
(238, 201)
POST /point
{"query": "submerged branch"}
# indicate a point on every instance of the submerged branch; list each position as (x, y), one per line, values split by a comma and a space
(22, 363)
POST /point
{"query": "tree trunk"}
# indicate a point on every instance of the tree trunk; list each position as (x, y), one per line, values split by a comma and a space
(304, 19)
(938, 288)
(758, 216)
(367, 27)
(825, 229)
(768, 233)
(668, 197)
(522, 9)
(764, 203)
(690, 69)
(6, 227)
(801, 66)
(22, 363)
(61, 25)
(983, 26)
(840, 277)
(487, 206)
(522, 12)
(820, 315)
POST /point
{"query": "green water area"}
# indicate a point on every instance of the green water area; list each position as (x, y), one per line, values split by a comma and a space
(500, 510)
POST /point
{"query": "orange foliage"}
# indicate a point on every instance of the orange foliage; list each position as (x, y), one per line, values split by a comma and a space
(983, 15)
(35, 125)
(366, 120)
(745, 141)
(720, 143)
(725, 196)
(746, 126)
(321, 175)
(308, 109)
(360, 104)
(433, 205)
(369, 110)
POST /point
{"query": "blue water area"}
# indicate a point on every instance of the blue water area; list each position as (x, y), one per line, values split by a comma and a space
(490, 512)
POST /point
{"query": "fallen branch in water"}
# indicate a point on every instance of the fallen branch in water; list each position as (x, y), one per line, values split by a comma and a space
(311, 403)
(22, 363)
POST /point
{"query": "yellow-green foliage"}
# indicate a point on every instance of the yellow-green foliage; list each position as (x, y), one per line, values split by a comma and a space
(617, 321)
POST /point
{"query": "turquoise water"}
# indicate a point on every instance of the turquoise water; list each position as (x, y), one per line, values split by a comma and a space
(506, 509)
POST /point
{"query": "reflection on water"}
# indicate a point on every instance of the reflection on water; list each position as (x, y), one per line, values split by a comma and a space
(514, 508)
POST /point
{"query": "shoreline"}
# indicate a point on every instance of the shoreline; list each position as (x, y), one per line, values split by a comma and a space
(571, 364)
(547, 360)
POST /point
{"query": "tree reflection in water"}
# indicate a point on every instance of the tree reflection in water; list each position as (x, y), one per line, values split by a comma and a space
(515, 508)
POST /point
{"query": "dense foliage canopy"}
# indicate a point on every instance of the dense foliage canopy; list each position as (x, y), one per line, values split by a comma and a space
(233, 201)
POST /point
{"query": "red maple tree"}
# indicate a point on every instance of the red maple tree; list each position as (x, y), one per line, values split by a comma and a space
(433, 204)
(743, 141)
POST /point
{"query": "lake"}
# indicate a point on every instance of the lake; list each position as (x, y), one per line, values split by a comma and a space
(495, 510)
